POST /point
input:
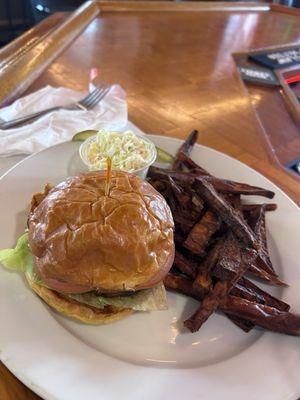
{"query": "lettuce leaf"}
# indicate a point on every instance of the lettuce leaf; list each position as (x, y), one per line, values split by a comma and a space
(21, 259)
(143, 300)
(18, 258)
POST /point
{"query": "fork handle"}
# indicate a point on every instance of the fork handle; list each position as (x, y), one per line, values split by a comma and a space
(27, 118)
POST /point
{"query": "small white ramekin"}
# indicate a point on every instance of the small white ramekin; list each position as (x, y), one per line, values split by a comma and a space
(141, 172)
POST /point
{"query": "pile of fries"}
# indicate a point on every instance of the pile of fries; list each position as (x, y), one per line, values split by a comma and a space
(220, 243)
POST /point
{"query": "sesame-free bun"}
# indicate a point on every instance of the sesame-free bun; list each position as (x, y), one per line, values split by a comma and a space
(75, 310)
(83, 240)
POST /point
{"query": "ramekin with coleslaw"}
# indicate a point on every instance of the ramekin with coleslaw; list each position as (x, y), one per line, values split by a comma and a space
(128, 152)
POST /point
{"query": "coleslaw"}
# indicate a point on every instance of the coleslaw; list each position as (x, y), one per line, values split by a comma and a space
(128, 152)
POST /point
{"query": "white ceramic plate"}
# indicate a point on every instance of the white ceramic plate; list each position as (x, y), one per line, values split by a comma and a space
(145, 356)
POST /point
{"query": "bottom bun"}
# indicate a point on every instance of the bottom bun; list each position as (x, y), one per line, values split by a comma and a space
(78, 311)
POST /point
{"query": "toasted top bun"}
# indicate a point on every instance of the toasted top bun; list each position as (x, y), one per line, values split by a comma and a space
(83, 240)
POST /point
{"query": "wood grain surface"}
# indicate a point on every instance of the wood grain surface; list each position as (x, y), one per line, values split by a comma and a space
(22, 69)
(23, 43)
(279, 126)
(168, 6)
(179, 74)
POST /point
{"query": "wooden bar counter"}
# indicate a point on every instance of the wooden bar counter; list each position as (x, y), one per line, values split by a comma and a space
(174, 60)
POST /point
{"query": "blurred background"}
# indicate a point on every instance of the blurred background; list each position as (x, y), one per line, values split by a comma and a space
(17, 16)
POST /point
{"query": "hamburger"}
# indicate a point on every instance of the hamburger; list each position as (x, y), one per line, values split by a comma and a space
(97, 257)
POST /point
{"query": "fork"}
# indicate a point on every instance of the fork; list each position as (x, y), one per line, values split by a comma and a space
(86, 103)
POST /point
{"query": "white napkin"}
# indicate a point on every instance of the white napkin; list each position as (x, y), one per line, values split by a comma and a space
(58, 126)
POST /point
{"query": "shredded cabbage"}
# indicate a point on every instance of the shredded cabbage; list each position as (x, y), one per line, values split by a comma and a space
(127, 151)
(21, 259)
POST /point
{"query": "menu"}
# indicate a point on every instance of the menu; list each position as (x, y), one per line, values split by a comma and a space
(278, 58)
(260, 76)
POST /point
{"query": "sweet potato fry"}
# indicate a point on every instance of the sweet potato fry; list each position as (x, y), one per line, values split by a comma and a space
(253, 270)
(208, 305)
(179, 194)
(184, 178)
(262, 315)
(185, 213)
(248, 209)
(191, 165)
(258, 269)
(186, 148)
(184, 286)
(223, 271)
(183, 221)
(233, 263)
(185, 204)
(181, 285)
(234, 200)
(197, 203)
(187, 266)
(260, 231)
(260, 228)
(263, 275)
(203, 281)
(243, 324)
(260, 261)
(159, 185)
(248, 290)
(259, 314)
(226, 212)
(231, 187)
(230, 260)
(179, 236)
(188, 207)
(256, 219)
(223, 185)
(202, 232)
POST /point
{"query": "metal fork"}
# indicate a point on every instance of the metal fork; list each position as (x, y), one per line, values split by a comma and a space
(87, 103)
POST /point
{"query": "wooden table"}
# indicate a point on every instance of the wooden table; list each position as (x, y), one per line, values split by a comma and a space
(175, 62)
